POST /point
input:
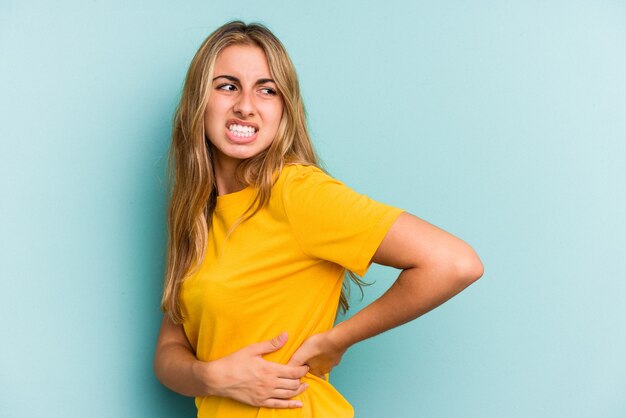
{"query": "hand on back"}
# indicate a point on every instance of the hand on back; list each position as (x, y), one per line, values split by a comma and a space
(320, 352)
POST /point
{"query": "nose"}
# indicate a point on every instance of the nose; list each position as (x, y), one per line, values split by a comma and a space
(244, 106)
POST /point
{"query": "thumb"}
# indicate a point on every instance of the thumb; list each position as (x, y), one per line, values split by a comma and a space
(297, 359)
(272, 345)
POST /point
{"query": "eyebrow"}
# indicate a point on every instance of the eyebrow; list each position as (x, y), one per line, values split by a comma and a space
(236, 80)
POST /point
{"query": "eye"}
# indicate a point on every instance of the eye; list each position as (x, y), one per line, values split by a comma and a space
(268, 91)
(226, 87)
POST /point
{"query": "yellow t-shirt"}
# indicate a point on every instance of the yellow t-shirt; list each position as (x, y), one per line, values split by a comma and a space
(280, 270)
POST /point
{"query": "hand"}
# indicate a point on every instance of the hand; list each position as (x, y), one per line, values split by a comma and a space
(247, 377)
(321, 352)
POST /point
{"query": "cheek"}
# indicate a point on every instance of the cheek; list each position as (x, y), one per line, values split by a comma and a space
(276, 113)
(212, 116)
(211, 111)
(207, 124)
(212, 131)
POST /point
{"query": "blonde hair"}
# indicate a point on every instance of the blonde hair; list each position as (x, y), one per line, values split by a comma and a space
(193, 190)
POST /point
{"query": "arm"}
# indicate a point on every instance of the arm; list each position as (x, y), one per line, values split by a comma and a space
(435, 267)
(175, 364)
(244, 375)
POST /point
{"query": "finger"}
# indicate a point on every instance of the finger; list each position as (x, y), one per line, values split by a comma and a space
(320, 375)
(282, 403)
(298, 359)
(287, 393)
(270, 346)
(290, 372)
(291, 384)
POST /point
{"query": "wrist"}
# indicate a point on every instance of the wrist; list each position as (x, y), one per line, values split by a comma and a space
(339, 337)
(205, 374)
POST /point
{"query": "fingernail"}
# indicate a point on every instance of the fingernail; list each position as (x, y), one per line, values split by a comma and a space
(298, 404)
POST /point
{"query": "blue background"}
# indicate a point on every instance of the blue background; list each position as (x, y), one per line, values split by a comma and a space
(501, 122)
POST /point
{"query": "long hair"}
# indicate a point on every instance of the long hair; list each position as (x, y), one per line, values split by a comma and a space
(192, 186)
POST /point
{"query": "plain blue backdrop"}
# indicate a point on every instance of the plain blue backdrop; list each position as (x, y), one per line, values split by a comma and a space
(503, 122)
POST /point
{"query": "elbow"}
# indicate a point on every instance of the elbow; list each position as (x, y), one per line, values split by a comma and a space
(468, 267)
(159, 365)
(156, 367)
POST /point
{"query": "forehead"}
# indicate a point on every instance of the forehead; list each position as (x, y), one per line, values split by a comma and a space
(242, 61)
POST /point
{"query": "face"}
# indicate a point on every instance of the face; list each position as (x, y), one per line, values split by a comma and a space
(244, 108)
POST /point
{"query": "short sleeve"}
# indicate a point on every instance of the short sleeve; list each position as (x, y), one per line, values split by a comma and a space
(333, 222)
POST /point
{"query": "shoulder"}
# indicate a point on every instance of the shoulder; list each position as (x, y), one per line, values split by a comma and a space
(299, 177)
(291, 171)
(301, 187)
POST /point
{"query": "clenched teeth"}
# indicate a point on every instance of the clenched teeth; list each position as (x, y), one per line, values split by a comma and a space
(241, 131)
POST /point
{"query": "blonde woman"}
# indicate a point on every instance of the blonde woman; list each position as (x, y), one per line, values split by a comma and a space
(260, 240)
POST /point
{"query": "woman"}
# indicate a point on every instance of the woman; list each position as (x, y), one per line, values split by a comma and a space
(260, 240)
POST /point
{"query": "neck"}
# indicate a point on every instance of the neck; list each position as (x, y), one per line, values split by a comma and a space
(225, 176)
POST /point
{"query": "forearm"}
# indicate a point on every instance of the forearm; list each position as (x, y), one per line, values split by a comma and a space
(435, 267)
(415, 292)
(244, 375)
(177, 368)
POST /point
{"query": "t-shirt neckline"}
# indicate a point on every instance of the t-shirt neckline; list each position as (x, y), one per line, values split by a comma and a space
(239, 197)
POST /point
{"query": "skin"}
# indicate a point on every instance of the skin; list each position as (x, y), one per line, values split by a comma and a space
(435, 264)
(435, 267)
(243, 92)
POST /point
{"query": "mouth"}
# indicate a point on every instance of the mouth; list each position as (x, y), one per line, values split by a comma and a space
(241, 130)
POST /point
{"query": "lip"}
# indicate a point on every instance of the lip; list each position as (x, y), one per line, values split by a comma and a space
(242, 123)
(237, 140)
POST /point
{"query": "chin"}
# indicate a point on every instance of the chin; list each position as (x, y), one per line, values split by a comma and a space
(242, 155)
